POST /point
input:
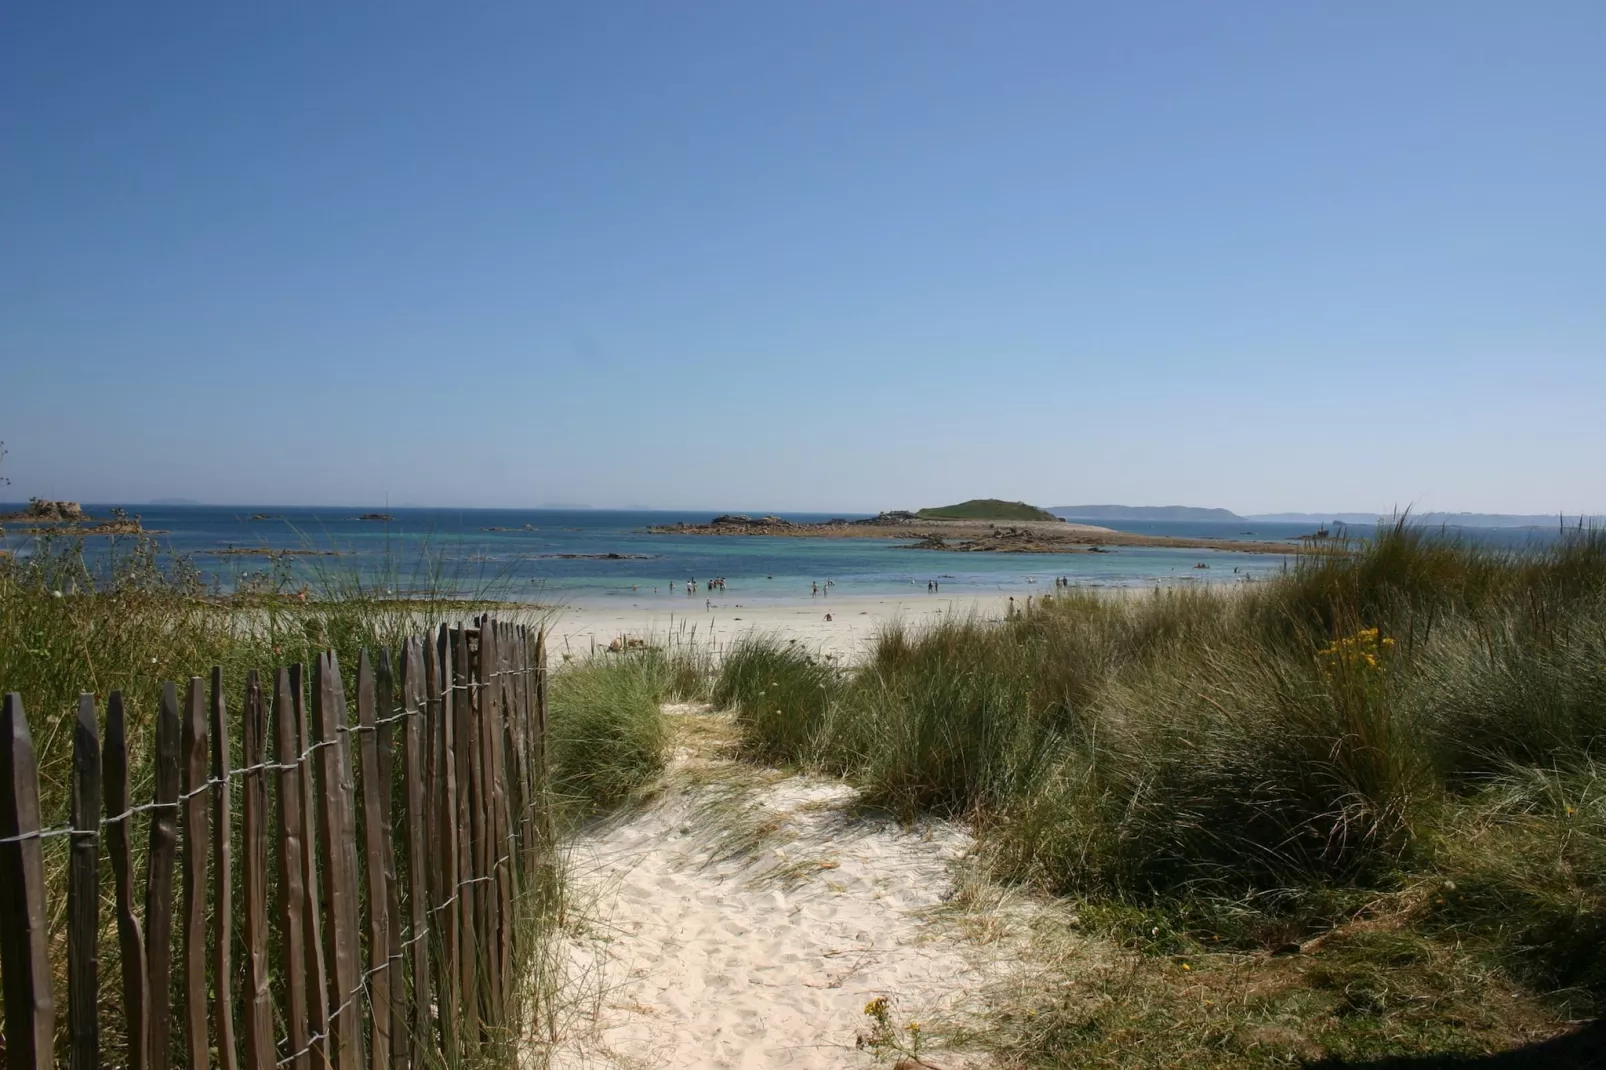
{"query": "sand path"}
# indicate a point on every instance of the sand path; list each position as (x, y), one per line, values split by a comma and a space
(745, 919)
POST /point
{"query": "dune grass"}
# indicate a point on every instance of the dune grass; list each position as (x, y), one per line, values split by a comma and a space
(608, 736)
(1397, 746)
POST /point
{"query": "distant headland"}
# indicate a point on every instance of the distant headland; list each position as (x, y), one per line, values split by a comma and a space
(1143, 512)
(1435, 519)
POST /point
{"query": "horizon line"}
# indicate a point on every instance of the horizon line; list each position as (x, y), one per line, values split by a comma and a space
(1561, 515)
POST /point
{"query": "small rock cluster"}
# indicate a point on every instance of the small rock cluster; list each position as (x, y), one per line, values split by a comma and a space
(40, 509)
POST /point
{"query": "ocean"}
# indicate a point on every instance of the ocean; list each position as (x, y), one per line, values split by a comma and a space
(557, 555)
(520, 554)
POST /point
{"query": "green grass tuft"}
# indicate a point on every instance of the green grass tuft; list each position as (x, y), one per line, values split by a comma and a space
(607, 731)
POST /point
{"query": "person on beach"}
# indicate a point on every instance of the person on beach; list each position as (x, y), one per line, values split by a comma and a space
(814, 586)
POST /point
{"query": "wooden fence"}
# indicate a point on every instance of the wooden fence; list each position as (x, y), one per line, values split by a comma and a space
(376, 921)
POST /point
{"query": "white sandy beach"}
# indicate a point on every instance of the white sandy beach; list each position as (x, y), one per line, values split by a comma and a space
(853, 621)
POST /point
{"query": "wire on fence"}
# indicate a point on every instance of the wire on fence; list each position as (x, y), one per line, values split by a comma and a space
(401, 714)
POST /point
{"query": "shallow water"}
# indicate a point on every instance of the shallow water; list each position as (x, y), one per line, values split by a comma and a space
(455, 550)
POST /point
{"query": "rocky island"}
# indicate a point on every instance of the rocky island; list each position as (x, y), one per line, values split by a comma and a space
(44, 517)
(969, 528)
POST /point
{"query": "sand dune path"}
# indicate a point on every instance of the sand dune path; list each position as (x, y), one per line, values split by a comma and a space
(745, 920)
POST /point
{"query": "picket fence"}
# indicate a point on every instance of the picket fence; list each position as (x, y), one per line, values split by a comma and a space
(384, 933)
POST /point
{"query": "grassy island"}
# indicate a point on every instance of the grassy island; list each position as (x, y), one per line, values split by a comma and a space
(986, 509)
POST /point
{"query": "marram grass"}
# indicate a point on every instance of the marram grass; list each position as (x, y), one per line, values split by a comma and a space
(1411, 730)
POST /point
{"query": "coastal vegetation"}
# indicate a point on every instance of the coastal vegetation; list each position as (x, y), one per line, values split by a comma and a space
(1355, 810)
(1359, 809)
(986, 509)
(609, 738)
(128, 618)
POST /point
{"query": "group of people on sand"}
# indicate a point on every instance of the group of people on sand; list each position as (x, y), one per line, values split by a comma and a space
(822, 589)
(932, 586)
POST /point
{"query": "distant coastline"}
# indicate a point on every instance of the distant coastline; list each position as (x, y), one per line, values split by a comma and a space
(1100, 515)
(1367, 520)
(1550, 521)
(1143, 512)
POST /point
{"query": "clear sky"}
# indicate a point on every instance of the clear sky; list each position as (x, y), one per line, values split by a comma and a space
(841, 254)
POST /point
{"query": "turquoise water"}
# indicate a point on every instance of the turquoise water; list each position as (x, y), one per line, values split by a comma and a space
(452, 549)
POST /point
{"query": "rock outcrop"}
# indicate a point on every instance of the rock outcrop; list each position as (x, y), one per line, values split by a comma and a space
(64, 512)
(742, 520)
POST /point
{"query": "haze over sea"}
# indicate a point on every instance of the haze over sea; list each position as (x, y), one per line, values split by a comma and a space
(558, 555)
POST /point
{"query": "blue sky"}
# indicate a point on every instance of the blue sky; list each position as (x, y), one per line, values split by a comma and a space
(832, 255)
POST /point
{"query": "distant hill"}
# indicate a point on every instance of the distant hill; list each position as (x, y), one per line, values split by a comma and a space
(1143, 512)
(986, 509)
(1504, 520)
(1367, 519)
(1434, 520)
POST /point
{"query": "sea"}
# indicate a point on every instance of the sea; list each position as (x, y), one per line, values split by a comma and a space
(600, 557)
